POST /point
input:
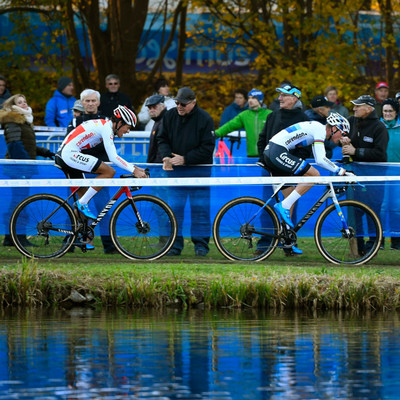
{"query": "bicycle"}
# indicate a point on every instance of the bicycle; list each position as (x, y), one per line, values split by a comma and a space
(248, 229)
(142, 227)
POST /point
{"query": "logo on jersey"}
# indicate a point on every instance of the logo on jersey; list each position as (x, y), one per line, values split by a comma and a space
(284, 157)
(295, 137)
(87, 136)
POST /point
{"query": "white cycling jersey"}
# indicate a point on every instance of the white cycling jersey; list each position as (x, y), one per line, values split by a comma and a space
(85, 136)
(304, 134)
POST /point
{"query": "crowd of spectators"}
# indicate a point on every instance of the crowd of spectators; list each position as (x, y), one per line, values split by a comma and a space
(182, 134)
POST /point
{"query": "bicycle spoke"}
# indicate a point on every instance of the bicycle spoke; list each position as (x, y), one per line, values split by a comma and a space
(243, 230)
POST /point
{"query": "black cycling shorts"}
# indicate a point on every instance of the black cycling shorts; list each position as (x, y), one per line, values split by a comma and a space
(281, 162)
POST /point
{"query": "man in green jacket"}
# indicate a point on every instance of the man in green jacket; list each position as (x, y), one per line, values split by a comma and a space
(252, 120)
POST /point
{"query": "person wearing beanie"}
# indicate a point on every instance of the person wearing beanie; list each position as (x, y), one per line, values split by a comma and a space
(251, 120)
(59, 107)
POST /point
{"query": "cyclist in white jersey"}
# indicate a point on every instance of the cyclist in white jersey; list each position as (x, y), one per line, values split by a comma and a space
(281, 162)
(87, 135)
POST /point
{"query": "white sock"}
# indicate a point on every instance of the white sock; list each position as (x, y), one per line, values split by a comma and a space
(290, 200)
(87, 196)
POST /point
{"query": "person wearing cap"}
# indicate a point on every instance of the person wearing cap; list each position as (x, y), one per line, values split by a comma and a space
(391, 205)
(59, 108)
(289, 113)
(157, 110)
(251, 120)
(320, 109)
(113, 98)
(4, 92)
(398, 97)
(77, 109)
(367, 142)
(185, 139)
(161, 87)
(381, 94)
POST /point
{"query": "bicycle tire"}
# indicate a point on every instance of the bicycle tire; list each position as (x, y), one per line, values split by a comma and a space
(234, 239)
(35, 240)
(361, 220)
(148, 243)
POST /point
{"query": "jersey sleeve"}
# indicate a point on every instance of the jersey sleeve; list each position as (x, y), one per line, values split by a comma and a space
(108, 140)
(318, 149)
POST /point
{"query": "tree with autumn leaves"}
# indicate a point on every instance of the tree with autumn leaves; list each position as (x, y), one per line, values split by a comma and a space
(314, 43)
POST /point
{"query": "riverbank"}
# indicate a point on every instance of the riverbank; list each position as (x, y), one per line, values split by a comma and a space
(197, 283)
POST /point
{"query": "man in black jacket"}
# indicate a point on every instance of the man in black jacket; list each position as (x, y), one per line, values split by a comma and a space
(157, 110)
(185, 139)
(113, 98)
(367, 141)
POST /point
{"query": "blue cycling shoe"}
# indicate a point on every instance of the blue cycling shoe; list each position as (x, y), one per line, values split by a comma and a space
(84, 209)
(284, 214)
(91, 247)
(296, 250)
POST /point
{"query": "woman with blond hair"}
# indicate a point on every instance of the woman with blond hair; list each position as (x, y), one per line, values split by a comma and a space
(16, 119)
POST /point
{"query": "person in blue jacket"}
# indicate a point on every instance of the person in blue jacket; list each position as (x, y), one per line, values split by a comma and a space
(238, 105)
(59, 107)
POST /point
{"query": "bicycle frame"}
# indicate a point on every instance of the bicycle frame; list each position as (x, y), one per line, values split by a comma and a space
(329, 193)
(122, 190)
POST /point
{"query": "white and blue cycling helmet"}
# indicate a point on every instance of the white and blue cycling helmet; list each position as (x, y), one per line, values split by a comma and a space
(335, 119)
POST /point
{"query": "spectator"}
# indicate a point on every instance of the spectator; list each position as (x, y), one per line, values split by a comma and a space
(77, 109)
(381, 94)
(187, 138)
(59, 107)
(157, 110)
(320, 110)
(17, 120)
(113, 98)
(289, 113)
(252, 120)
(239, 105)
(367, 142)
(275, 105)
(4, 92)
(398, 97)
(390, 111)
(331, 94)
(90, 100)
(161, 87)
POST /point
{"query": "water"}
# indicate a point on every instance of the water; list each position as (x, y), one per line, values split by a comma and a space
(83, 354)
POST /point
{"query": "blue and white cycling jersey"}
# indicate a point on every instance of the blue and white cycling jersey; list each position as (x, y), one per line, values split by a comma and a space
(304, 134)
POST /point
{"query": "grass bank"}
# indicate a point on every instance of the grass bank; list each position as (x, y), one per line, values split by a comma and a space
(96, 280)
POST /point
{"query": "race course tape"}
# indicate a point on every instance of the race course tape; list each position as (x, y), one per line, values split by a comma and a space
(192, 181)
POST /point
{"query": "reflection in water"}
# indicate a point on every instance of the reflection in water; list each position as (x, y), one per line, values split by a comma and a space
(82, 354)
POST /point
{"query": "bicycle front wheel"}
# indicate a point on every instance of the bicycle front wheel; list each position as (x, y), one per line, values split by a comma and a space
(245, 230)
(147, 235)
(358, 245)
(43, 226)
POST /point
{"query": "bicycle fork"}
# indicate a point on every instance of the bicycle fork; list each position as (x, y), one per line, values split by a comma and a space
(346, 230)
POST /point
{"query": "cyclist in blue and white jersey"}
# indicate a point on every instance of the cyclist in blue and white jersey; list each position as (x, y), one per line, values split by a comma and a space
(87, 135)
(280, 161)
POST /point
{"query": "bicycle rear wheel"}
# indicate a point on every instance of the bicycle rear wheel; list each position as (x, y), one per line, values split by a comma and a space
(241, 230)
(147, 237)
(365, 233)
(43, 226)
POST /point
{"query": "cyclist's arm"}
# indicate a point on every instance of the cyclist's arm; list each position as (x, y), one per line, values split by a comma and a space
(321, 159)
(112, 152)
